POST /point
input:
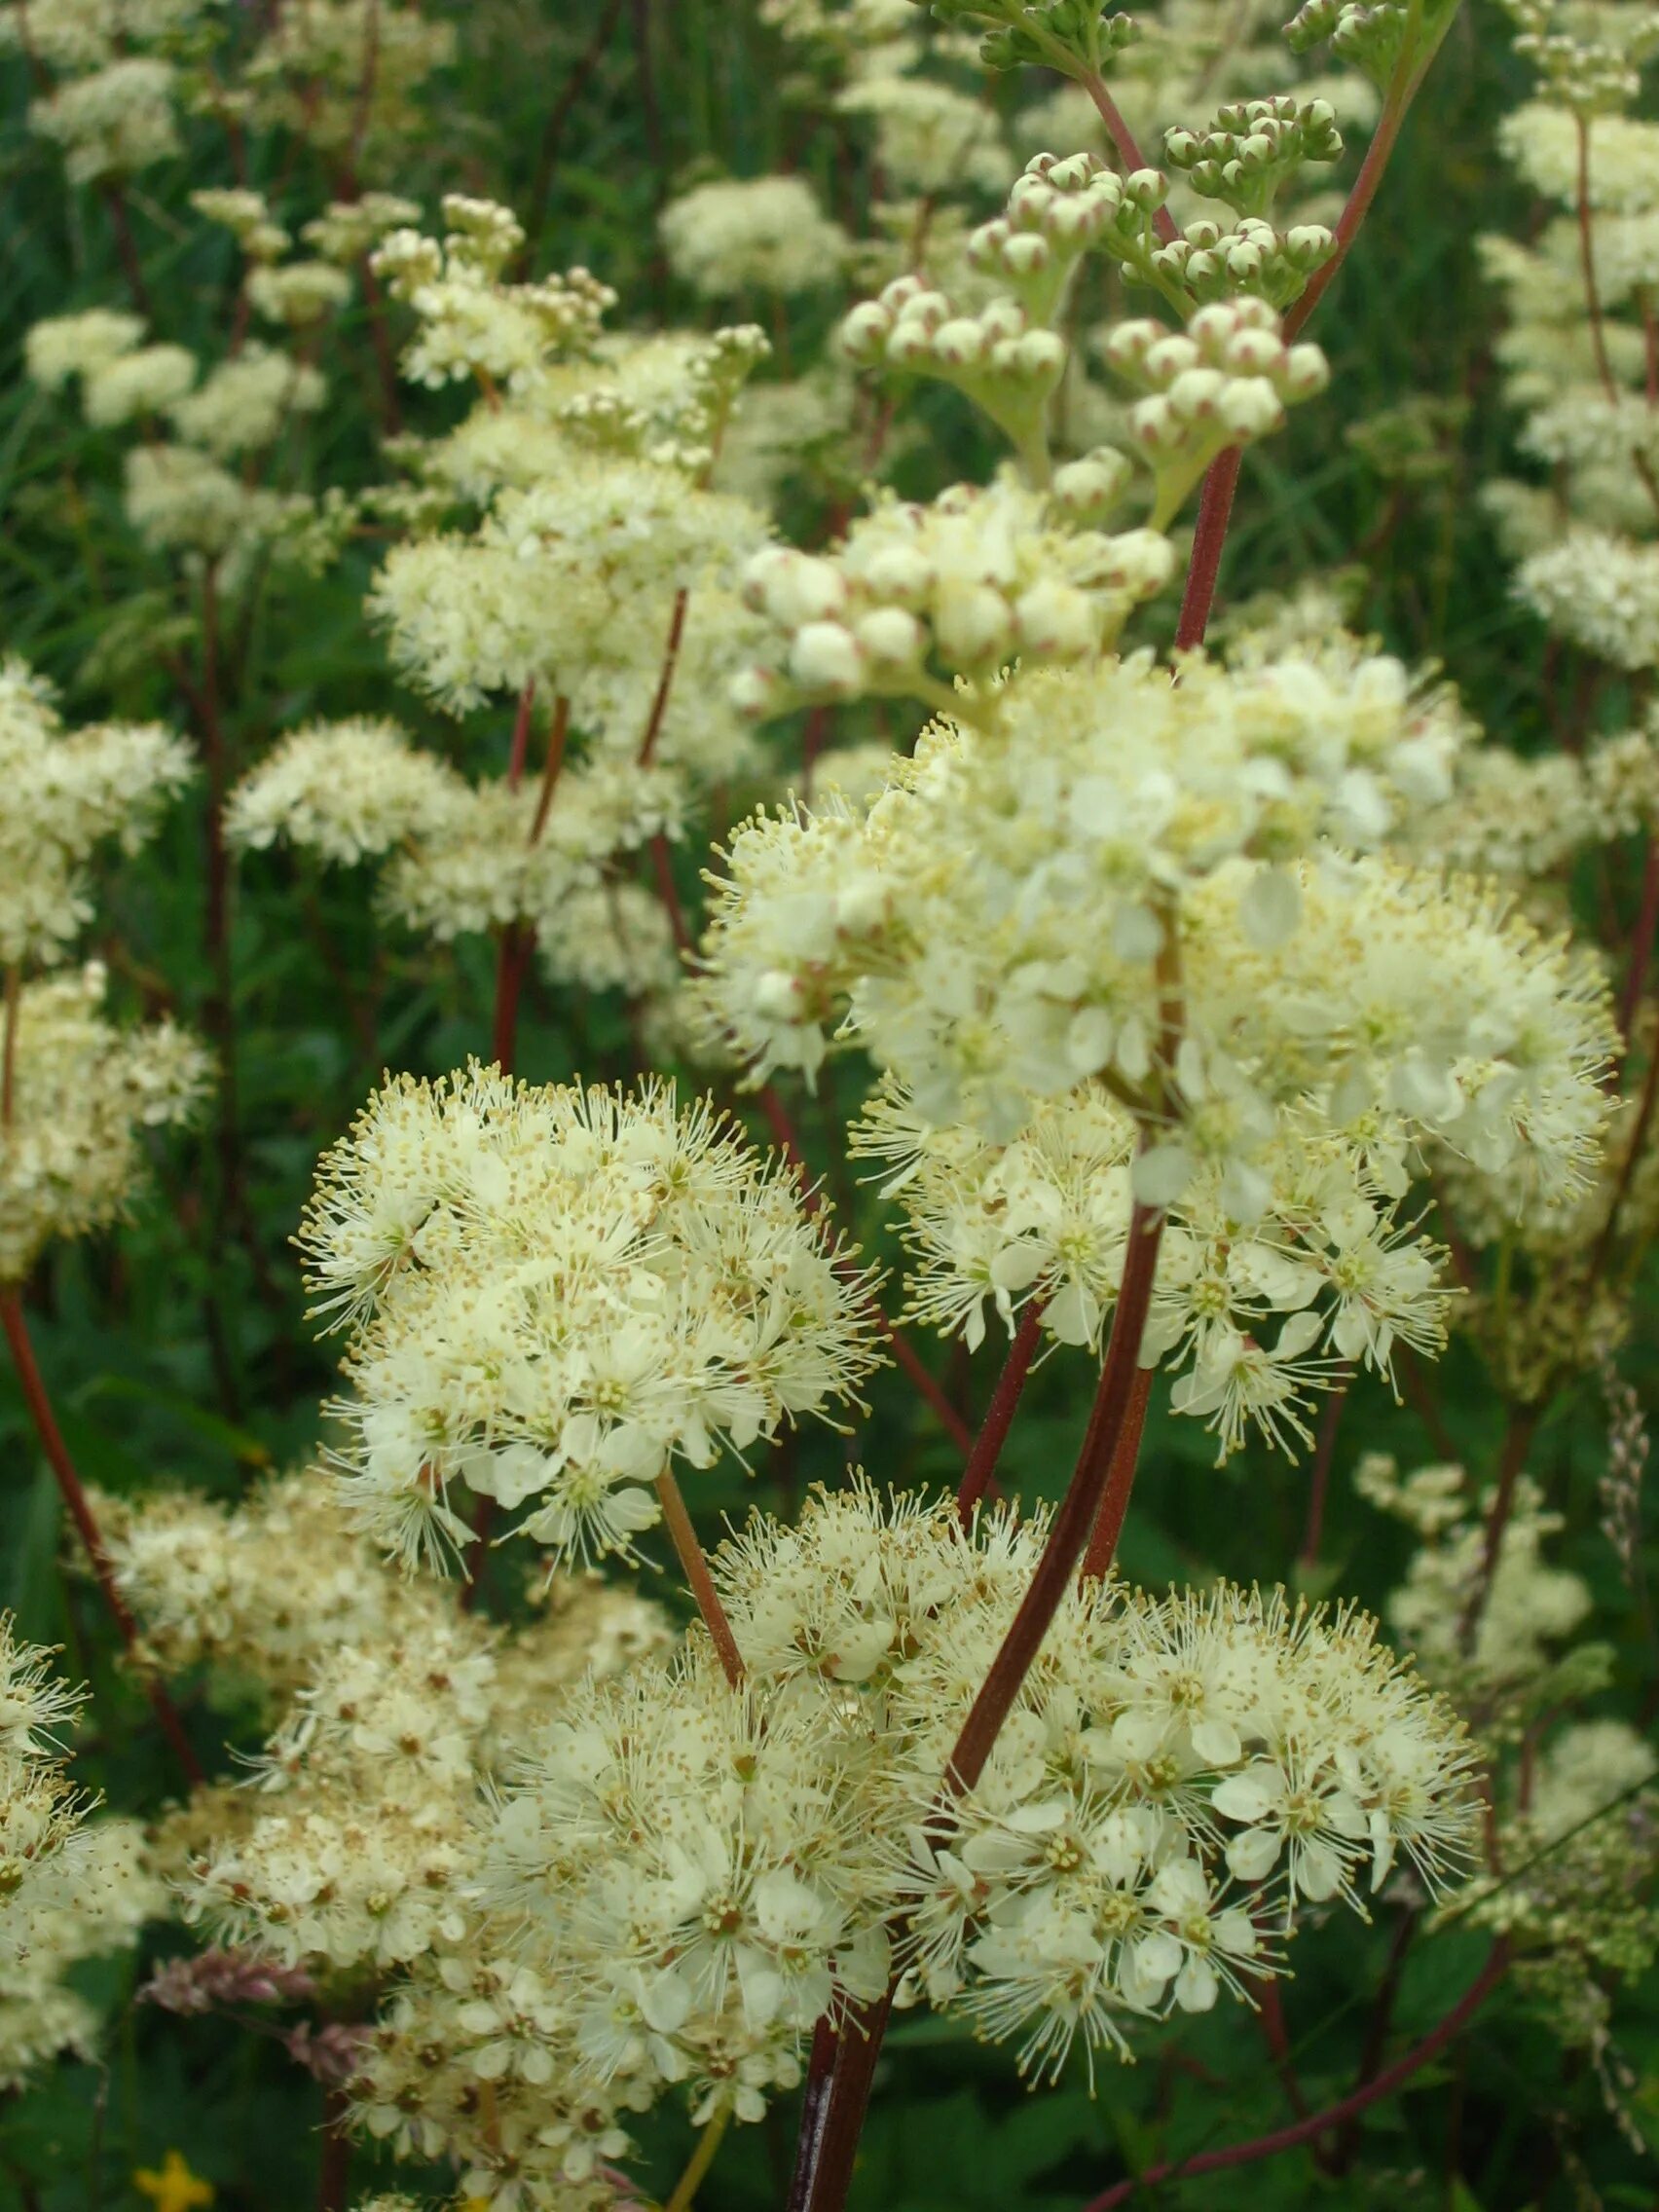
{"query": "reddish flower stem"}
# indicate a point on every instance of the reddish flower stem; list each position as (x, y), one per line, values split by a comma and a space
(1318, 2123)
(1120, 1480)
(665, 681)
(1324, 1452)
(1129, 151)
(334, 2168)
(1627, 1170)
(1641, 950)
(691, 1559)
(1516, 1443)
(512, 955)
(824, 2187)
(820, 2072)
(39, 1403)
(8, 1044)
(553, 131)
(1204, 566)
(987, 1446)
(126, 249)
(1221, 480)
(668, 891)
(552, 766)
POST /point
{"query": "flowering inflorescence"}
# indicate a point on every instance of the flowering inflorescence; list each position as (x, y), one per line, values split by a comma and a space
(554, 1294)
(71, 1887)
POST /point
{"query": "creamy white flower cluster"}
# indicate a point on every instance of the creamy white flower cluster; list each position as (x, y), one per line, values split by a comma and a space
(82, 1094)
(1599, 590)
(695, 1863)
(1540, 140)
(553, 1294)
(464, 856)
(116, 120)
(1527, 815)
(994, 920)
(763, 234)
(255, 1593)
(473, 322)
(351, 1850)
(474, 2061)
(71, 1888)
(1488, 1644)
(562, 581)
(1252, 1314)
(179, 494)
(343, 75)
(67, 791)
(696, 1874)
(917, 593)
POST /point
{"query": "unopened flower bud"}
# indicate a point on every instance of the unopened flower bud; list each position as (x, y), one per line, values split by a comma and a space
(1169, 359)
(901, 292)
(825, 656)
(864, 332)
(926, 310)
(1074, 172)
(1040, 356)
(1195, 392)
(890, 637)
(899, 575)
(1127, 345)
(1251, 408)
(1256, 352)
(798, 589)
(1057, 621)
(1028, 253)
(1029, 204)
(1155, 425)
(752, 692)
(972, 624)
(1143, 561)
(959, 342)
(1306, 372)
(1091, 486)
(985, 245)
(1003, 318)
(910, 344)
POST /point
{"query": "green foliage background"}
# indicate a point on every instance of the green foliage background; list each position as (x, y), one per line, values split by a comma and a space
(176, 1349)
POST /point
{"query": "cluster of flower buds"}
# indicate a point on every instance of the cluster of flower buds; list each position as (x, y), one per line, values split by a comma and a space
(1252, 146)
(1368, 37)
(1250, 257)
(983, 574)
(685, 433)
(1013, 33)
(1225, 380)
(1056, 212)
(247, 218)
(911, 326)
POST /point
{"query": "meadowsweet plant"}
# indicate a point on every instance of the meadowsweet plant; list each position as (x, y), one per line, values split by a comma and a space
(827, 885)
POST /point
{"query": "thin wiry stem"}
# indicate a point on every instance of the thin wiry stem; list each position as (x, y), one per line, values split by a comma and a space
(39, 1402)
(702, 2158)
(1334, 2115)
(981, 1466)
(8, 1044)
(691, 1559)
